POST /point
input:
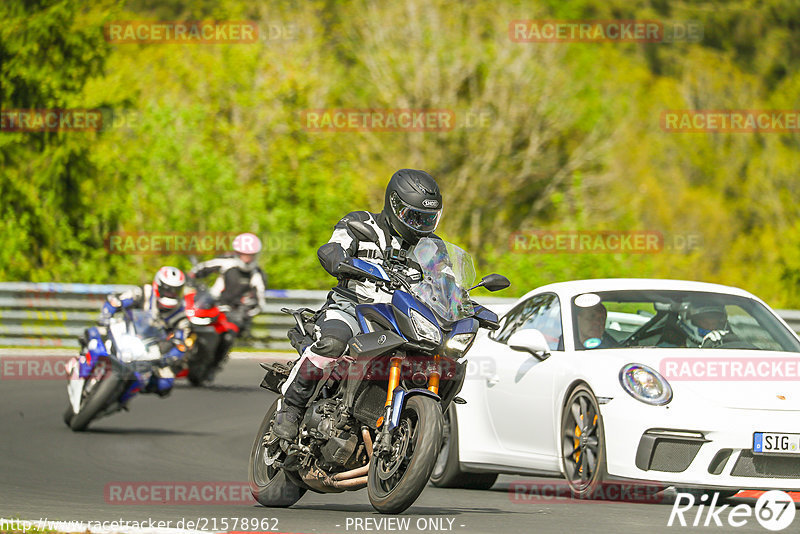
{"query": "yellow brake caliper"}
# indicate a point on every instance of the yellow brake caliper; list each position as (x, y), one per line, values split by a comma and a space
(577, 441)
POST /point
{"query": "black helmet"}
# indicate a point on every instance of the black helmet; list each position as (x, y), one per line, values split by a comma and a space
(413, 204)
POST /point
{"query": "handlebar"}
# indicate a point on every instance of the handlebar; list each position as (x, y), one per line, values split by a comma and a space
(397, 280)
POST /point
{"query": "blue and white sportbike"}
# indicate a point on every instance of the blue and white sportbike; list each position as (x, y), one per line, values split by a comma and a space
(375, 419)
(115, 363)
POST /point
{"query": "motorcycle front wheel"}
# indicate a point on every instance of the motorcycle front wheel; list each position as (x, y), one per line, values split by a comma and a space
(396, 480)
(199, 360)
(102, 391)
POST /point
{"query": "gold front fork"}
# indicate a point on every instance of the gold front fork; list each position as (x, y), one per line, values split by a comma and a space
(394, 379)
(433, 379)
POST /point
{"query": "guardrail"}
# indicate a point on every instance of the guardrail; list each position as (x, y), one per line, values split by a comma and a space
(54, 315)
(792, 318)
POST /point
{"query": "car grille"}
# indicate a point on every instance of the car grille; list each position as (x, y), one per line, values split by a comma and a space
(674, 456)
(751, 465)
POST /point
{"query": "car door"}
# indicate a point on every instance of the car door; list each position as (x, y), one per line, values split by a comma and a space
(520, 387)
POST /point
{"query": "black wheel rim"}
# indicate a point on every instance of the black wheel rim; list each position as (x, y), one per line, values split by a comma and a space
(263, 473)
(392, 468)
(444, 451)
(581, 442)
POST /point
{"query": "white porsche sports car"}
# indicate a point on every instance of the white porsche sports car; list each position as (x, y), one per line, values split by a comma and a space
(685, 384)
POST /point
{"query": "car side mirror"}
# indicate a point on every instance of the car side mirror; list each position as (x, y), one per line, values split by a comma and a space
(530, 340)
(363, 231)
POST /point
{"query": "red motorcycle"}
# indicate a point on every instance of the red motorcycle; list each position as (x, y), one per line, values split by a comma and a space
(212, 337)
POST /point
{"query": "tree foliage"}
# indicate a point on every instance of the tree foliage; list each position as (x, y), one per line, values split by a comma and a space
(548, 135)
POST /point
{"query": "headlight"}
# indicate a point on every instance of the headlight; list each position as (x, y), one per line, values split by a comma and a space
(645, 384)
(460, 342)
(200, 321)
(425, 329)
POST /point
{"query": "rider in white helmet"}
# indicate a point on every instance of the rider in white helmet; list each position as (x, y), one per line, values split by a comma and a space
(706, 325)
(239, 288)
(163, 299)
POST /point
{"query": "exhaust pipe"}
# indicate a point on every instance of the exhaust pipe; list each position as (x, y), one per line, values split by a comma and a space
(352, 480)
(367, 437)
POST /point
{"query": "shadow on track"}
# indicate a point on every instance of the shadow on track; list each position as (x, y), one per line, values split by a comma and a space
(411, 512)
(144, 431)
(216, 388)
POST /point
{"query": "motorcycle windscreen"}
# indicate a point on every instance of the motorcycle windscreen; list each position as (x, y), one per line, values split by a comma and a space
(447, 274)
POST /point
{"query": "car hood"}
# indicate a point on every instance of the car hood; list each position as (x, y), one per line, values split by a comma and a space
(741, 379)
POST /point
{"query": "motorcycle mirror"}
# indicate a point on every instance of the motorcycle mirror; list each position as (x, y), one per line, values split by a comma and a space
(363, 231)
(493, 282)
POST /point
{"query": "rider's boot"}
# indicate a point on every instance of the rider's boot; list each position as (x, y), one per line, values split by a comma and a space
(295, 399)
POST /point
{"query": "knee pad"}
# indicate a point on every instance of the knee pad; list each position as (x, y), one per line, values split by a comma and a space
(329, 346)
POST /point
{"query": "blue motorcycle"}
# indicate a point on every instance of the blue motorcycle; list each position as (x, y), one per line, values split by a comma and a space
(115, 365)
(375, 420)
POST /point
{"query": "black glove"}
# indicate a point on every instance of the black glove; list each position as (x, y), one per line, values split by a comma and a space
(299, 340)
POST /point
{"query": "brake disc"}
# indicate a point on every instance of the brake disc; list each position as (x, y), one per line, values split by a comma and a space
(388, 467)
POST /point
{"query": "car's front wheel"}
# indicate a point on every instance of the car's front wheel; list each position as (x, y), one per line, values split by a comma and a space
(446, 471)
(583, 447)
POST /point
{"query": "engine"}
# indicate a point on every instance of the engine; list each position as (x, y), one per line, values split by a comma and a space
(329, 424)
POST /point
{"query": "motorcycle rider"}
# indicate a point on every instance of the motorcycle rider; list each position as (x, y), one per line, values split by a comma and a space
(163, 299)
(412, 209)
(239, 288)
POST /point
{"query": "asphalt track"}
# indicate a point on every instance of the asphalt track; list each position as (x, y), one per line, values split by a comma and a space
(47, 471)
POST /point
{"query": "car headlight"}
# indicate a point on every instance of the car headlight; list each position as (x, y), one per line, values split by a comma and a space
(460, 342)
(424, 328)
(645, 384)
(200, 321)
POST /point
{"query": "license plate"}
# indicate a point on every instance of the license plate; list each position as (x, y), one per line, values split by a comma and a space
(773, 443)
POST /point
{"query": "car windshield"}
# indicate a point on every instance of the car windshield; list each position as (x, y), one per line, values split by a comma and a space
(447, 275)
(668, 318)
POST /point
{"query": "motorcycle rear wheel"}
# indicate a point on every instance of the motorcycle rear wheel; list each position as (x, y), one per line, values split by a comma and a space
(396, 481)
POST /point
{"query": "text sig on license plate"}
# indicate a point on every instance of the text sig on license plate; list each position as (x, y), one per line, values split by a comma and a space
(776, 443)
